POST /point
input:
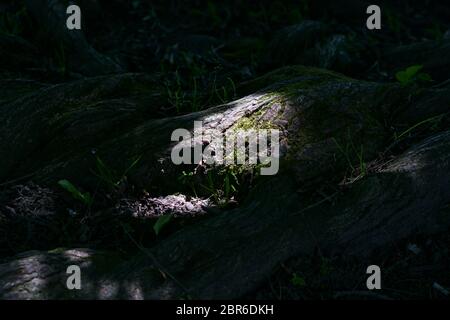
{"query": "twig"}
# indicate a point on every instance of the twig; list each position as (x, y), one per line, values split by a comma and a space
(17, 179)
(317, 203)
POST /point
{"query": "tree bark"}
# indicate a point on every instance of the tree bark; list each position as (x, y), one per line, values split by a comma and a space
(227, 255)
(231, 254)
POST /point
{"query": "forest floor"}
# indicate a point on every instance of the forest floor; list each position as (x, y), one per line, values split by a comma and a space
(193, 58)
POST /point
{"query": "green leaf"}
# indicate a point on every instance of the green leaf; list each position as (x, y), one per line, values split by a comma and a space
(424, 77)
(298, 281)
(161, 222)
(401, 77)
(412, 75)
(104, 172)
(77, 194)
(227, 186)
(406, 76)
(132, 165)
(413, 70)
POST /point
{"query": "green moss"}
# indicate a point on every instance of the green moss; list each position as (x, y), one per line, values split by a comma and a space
(254, 122)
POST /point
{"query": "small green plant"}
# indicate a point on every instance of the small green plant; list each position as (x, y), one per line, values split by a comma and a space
(213, 14)
(297, 280)
(187, 178)
(175, 93)
(433, 120)
(394, 22)
(105, 173)
(10, 23)
(326, 267)
(61, 60)
(211, 187)
(222, 186)
(161, 222)
(412, 75)
(350, 152)
(84, 197)
(222, 93)
(109, 176)
(194, 102)
(233, 86)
